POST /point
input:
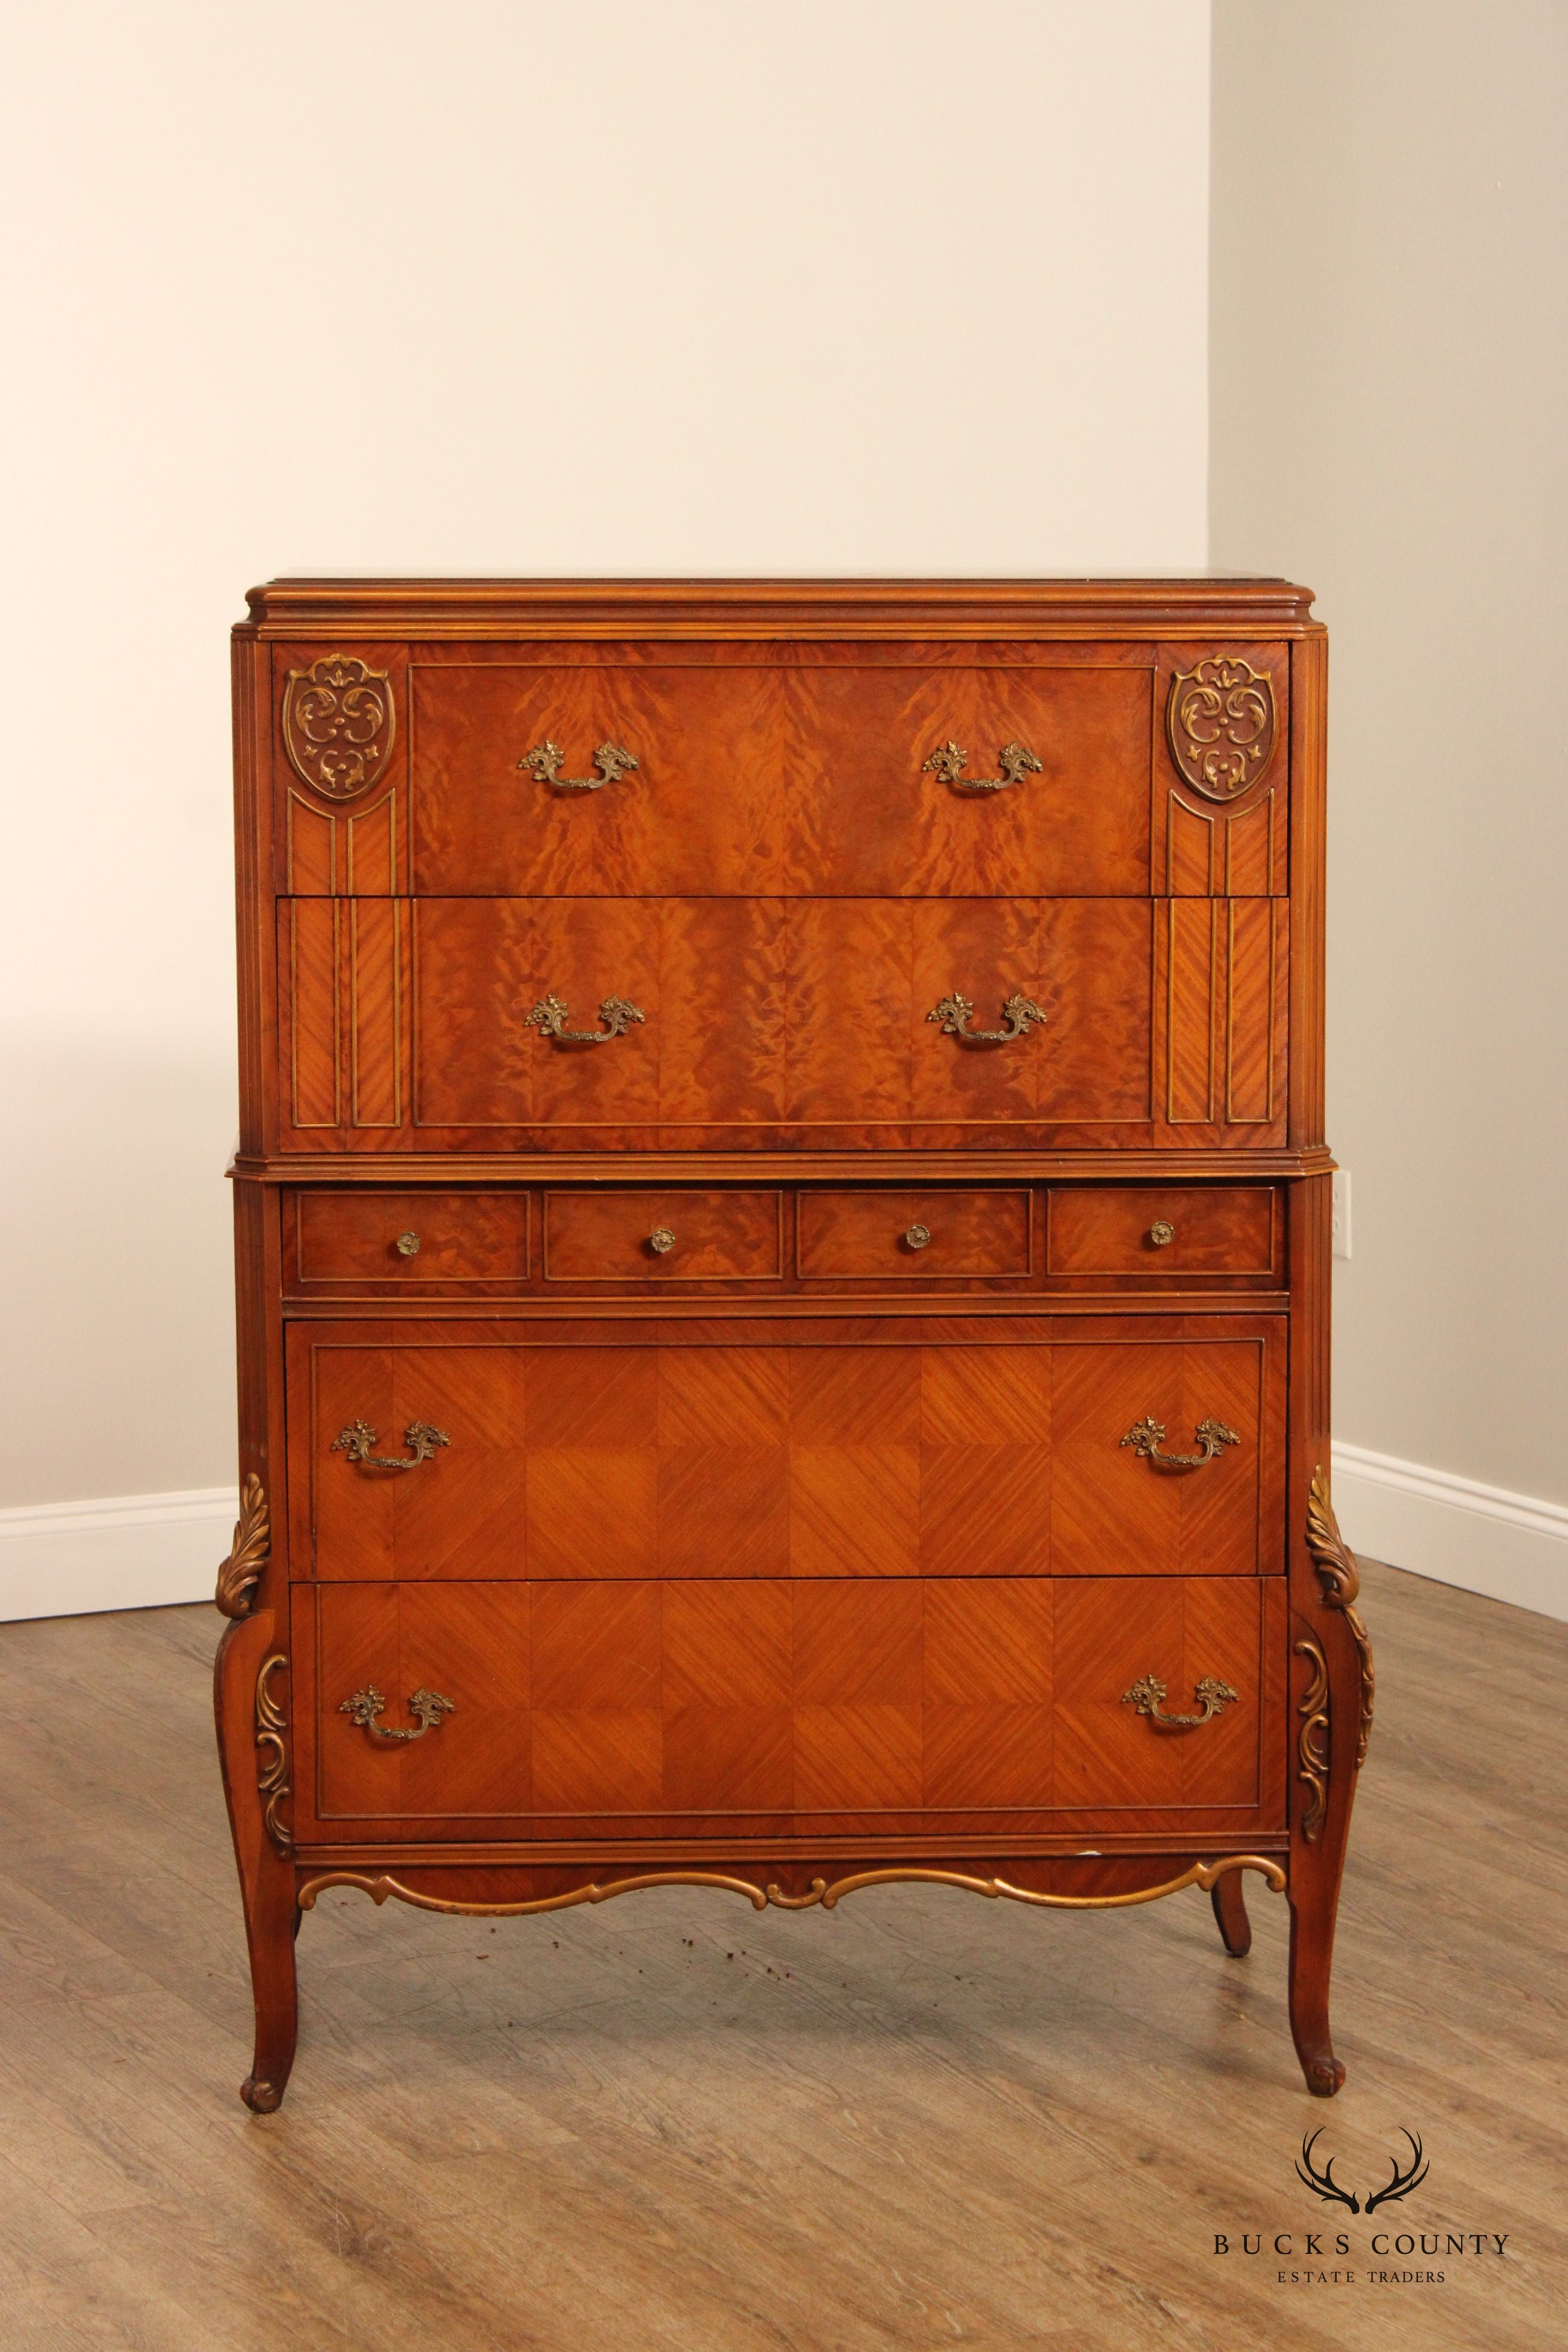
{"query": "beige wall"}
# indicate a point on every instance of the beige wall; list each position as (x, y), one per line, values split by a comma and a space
(1389, 359)
(856, 286)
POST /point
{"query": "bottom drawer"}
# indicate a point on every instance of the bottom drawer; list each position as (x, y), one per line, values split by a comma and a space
(789, 1708)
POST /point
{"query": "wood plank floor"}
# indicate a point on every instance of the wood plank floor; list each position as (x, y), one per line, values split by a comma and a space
(923, 2120)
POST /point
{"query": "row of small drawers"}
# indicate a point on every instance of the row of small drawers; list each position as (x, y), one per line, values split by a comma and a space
(409, 1240)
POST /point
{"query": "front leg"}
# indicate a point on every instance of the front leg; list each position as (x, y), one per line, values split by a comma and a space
(250, 1681)
(1333, 1721)
(1314, 1900)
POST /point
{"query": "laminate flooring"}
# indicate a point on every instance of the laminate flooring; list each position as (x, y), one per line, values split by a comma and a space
(668, 2121)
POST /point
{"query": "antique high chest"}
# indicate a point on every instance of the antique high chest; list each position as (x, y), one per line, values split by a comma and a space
(782, 1243)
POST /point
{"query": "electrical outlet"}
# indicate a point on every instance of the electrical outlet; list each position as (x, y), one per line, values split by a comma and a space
(1341, 1212)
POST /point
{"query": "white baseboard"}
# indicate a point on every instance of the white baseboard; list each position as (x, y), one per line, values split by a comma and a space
(122, 1552)
(1483, 1539)
(146, 1551)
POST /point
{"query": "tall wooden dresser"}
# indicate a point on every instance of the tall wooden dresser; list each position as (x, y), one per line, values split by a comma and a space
(783, 1243)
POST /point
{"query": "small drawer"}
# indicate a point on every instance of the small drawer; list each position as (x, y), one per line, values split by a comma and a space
(1162, 1230)
(409, 1238)
(846, 1234)
(663, 1236)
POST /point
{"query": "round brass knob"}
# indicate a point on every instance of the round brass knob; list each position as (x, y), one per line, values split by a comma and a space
(917, 1238)
(661, 1240)
(407, 1244)
(1159, 1233)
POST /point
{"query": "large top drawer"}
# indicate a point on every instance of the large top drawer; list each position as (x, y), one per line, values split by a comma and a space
(653, 769)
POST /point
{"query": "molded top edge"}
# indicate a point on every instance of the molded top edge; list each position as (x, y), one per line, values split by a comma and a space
(439, 608)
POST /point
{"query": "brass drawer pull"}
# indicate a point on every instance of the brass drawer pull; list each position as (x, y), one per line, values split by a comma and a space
(917, 1238)
(428, 1705)
(1146, 1437)
(1148, 1696)
(1162, 1233)
(549, 1017)
(661, 1241)
(357, 1439)
(407, 1244)
(949, 762)
(954, 1010)
(545, 759)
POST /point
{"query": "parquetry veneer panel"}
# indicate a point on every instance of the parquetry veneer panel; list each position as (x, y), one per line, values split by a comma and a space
(576, 1702)
(801, 1457)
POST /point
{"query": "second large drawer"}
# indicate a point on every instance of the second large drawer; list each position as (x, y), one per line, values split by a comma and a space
(558, 1709)
(1006, 1448)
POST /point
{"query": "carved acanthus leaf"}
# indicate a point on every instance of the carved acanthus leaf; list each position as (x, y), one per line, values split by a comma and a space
(1336, 1564)
(241, 1571)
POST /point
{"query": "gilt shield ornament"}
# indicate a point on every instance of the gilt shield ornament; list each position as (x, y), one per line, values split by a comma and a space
(1220, 718)
(338, 723)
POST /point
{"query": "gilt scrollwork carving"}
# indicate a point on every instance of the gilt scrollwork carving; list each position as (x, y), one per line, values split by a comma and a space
(273, 1755)
(1336, 1565)
(826, 1893)
(241, 1571)
(1220, 722)
(1312, 1741)
(338, 724)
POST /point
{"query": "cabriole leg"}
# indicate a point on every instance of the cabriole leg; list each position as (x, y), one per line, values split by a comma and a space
(1314, 1900)
(248, 1683)
(269, 1925)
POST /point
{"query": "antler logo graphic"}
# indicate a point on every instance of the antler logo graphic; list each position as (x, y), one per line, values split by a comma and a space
(1402, 2183)
(1323, 2184)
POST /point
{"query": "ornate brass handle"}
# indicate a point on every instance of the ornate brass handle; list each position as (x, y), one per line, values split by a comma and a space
(1148, 1696)
(357, 1439)
(428, 1705)
(917, 1238)
(407, 1244)
(954, 1010)
(661, 1241)
(949, 762)
(545, 759)
(1162, 1233)
(549, 1017)
(1146, 1437)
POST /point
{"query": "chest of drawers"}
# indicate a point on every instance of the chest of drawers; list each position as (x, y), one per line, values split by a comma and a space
(783, 1230)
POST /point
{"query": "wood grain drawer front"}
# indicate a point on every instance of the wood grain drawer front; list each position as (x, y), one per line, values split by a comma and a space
(555, 1707)
(548, 1453)
(810, 777)
(914, 1235)
(1164, 1230)
(669, 1237)
(741, 1023)
(403, 1240)
(459, 1025)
